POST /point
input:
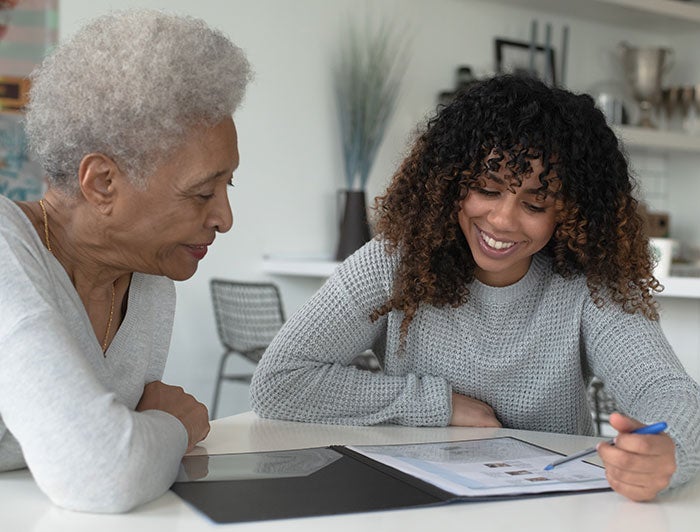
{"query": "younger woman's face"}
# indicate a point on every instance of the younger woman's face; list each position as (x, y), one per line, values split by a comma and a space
(505, 228)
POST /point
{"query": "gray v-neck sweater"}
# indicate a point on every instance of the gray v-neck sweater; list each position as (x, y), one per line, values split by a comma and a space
(65, 410)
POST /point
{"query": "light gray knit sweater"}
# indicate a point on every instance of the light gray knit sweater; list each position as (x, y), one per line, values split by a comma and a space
(527, 350)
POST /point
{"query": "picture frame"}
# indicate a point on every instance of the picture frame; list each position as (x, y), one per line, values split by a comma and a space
(513, 57)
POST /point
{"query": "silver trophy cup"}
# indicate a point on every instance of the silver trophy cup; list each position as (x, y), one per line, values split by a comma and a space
(644, 68)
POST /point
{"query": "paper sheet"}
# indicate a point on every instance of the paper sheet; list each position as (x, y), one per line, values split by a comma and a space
(482, 468)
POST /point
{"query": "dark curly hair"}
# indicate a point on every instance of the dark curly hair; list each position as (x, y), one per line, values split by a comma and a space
(511, 120)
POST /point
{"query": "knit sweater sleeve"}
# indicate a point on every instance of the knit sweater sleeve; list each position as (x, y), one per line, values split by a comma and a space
(638, 366)
(306, 373)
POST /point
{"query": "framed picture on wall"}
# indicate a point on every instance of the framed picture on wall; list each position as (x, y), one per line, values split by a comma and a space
(516, 57)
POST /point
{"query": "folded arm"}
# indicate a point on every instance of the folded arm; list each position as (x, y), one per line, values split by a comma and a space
(306, 373)
(85, 449)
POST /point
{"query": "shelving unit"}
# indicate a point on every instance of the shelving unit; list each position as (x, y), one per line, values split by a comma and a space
(658, 140)
(642, 14)
(682, 287)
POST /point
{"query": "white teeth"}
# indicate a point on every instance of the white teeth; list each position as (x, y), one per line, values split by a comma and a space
(495, 244)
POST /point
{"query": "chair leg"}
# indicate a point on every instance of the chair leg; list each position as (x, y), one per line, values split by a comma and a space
(217, 387)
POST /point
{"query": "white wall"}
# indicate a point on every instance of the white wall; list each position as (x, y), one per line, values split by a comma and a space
(284, 200)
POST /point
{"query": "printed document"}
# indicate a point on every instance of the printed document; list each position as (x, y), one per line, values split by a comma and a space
(482, 468)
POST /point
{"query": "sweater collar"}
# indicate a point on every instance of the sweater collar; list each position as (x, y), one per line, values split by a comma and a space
(539, 267)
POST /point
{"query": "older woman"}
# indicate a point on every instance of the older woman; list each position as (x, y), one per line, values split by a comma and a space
(131, 119)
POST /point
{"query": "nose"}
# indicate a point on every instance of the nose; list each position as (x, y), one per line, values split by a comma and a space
(220, 217)
(503, 214)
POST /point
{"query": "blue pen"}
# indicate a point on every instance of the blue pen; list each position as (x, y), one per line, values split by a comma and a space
(647, 429)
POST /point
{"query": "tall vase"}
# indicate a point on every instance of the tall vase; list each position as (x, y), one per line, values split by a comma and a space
(354, 228)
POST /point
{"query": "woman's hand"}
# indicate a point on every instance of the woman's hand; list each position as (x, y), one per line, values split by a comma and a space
(468, 412)
(173, 400)
(638, 466)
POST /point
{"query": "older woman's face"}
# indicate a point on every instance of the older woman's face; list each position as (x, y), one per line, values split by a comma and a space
(167, 228)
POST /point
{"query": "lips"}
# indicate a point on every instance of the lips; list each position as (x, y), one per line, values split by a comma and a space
(495, 247)
(198, 251)
(496, 244)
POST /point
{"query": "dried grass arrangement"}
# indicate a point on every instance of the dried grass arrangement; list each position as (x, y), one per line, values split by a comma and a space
(371, 63)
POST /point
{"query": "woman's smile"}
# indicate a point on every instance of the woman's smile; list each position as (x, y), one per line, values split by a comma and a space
(495, 247)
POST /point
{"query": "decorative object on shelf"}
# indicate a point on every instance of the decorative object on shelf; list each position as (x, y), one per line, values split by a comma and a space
(689, 120)
(656, 224)
(662, 251)
(522, 58)
(679, 109)
(367, 76)
(464, 77)
(354, 225)
(611, 99)
(670, 103)
(534, 59)
(644, 69)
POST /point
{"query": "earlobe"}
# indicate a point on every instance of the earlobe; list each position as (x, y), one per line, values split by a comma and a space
(98, 175)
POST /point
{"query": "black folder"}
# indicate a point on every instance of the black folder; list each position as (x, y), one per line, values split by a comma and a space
(304, 482)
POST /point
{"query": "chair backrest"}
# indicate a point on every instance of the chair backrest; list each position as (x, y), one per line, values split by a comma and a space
(602, 404)
(248, 315)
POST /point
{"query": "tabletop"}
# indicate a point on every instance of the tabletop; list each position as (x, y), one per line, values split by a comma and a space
(26, 508)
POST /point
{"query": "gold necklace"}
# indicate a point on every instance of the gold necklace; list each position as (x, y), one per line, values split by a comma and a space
(111, 306)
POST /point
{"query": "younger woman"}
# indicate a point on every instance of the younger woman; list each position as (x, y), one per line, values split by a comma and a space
(509, 268)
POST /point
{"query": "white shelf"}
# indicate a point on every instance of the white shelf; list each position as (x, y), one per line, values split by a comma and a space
(299, 267)
(685, 287)
(642, 14)
(657, 140)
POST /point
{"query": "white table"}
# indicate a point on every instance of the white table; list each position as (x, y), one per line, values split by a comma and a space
(25, 508)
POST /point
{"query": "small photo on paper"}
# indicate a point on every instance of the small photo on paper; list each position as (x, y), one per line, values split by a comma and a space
(497, 464)
(519, 472)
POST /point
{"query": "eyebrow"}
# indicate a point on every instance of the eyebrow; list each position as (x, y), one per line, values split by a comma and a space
(205, 180)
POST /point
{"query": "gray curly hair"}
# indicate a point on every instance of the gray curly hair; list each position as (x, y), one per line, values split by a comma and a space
(130, 85)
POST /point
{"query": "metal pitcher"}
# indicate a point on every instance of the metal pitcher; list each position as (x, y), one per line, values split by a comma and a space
(644, 69)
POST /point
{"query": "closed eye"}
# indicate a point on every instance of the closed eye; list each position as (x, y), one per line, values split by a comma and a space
(488, 193)
(535, 208)
(208, 196)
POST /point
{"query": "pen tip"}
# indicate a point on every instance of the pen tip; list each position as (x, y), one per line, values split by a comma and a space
(549, 467)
